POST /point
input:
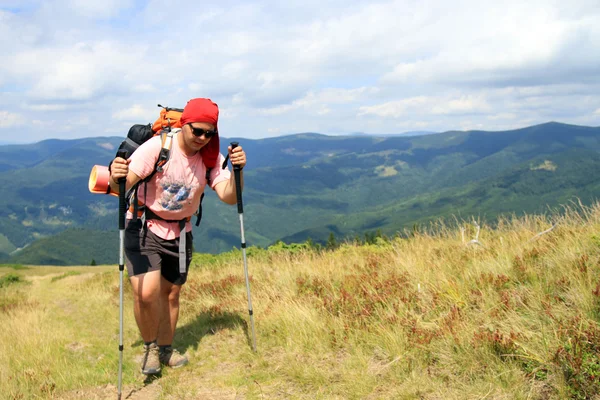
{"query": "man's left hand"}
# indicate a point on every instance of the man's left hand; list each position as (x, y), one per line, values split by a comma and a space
(237, 156)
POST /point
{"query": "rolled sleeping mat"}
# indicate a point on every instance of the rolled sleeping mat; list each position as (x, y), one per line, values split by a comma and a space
(98, 182)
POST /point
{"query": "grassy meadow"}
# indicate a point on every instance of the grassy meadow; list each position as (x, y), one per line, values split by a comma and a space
(449, 312)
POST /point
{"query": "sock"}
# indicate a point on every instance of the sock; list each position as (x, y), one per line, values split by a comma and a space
(165, 347)
(149, 343)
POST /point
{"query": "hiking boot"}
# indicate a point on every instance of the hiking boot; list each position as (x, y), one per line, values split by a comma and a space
(172, 358)
(150, 360)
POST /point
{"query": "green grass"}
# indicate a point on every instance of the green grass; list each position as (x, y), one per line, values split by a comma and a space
(431, 316)
(9, 279)
(14, 266)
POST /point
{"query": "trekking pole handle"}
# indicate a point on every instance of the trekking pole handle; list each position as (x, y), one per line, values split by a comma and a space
(122, 182)
(238, 184)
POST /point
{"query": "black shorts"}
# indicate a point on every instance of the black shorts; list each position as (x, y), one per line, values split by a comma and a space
(145, 252)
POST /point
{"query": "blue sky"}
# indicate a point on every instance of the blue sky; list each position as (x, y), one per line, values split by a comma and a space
(73, 69)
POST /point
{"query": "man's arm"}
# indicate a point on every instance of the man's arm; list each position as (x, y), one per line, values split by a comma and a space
(226, 190)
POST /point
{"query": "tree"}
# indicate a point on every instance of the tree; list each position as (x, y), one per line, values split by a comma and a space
(309, 243)
(331, 242)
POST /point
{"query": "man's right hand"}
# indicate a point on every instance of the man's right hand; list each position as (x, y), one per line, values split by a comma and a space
(119, 169)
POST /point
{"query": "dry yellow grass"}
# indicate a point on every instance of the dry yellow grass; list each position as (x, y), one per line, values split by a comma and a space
(513, 315)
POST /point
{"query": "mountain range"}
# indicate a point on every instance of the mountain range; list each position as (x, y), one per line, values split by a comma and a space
(304, 186)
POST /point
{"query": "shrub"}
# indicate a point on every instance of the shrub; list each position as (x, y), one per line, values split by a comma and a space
(9, 279)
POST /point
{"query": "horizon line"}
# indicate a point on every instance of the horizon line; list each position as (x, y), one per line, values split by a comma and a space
(347, 134)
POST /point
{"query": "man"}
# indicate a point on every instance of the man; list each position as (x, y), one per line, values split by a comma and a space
(153, 248)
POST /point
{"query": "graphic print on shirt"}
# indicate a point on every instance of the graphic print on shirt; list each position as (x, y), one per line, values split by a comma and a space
(175, 194)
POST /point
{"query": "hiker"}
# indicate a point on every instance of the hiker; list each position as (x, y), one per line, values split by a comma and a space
(152, 242)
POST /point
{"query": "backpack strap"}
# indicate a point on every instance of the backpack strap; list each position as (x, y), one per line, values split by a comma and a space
(166, 136)
(165, 151)
(149, 214)
(199, 212)
(163, 157)
(208, 170)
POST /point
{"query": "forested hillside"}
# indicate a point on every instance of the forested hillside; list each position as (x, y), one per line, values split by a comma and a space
(307, 186)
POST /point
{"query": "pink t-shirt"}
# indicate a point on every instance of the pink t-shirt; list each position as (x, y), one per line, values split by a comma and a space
(174, 193)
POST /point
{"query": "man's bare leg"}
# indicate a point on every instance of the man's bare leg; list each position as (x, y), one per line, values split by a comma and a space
(168, 311)
(146, 303)
(146, 306)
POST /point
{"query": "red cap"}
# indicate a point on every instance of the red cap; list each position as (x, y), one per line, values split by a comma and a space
(204, 110)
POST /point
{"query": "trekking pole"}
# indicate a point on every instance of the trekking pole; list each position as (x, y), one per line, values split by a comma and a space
(122, 182)
(240, 206)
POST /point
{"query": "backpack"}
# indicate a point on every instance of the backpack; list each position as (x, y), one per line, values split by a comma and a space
(168, 119)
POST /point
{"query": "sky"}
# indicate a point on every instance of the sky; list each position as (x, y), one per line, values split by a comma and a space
(74, 69)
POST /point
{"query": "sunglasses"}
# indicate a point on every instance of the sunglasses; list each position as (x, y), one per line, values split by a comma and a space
(200, 131)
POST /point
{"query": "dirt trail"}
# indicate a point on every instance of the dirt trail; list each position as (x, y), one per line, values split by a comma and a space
(147, 392)
(151, 391)
(185, 383)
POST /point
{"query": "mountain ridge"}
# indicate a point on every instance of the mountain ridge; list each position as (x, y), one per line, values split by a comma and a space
(308, 185)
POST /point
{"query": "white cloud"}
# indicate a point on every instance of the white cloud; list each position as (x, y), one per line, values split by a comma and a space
(429, 105)
(324, 110)
(144, 88)
(280, 109)
(135, 114)
(320, 100)
(395, 109)
(276, 68)
(462, 105)
(95, 9)
(42, 124)
(81, 71)
(489, 45)
(45, 107)
(10, 120)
